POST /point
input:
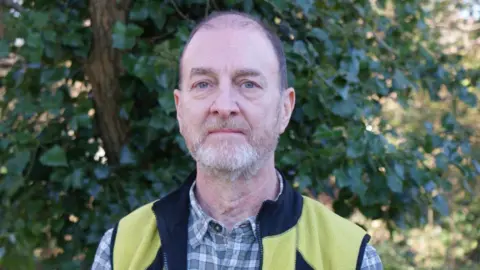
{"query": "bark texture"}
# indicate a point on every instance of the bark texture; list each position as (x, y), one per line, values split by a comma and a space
(103, 69)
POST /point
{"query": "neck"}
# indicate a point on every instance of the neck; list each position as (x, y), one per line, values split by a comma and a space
(231, 201)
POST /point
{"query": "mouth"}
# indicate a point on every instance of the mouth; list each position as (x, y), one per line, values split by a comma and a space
(225, 131)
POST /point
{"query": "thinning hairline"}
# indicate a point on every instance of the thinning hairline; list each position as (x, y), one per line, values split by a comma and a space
(238, 21)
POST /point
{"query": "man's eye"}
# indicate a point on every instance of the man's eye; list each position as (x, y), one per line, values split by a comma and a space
(202, 85)
(249, 85)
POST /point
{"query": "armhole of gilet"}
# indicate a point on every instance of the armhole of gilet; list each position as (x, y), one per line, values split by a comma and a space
(112, 244)
(361, 252)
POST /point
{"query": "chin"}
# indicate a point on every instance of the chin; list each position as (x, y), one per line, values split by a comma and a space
(227, 158)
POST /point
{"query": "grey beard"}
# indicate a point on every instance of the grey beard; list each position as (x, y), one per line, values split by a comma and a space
(246, 172)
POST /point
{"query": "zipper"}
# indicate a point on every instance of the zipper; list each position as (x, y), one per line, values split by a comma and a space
(296, 247)
(164, 260)
(259, 236)
(163, 251)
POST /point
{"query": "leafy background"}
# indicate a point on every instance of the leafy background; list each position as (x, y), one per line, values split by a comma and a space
(384, 132)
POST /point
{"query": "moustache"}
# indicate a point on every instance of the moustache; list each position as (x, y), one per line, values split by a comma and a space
(226, 124)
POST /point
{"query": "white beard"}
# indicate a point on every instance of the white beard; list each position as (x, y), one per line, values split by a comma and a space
(227, 156)
(230, 159)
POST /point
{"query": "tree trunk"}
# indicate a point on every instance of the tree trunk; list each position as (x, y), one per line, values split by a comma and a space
(103, 69)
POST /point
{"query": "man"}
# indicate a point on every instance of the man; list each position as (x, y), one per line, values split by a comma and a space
(236, 211)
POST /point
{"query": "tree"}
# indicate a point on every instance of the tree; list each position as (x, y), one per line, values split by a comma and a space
(96, 78)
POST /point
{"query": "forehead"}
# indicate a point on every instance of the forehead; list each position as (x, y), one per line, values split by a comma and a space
(227, 48)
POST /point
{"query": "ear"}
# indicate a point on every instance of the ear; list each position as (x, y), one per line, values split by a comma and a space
(288, 104)
(177, 96)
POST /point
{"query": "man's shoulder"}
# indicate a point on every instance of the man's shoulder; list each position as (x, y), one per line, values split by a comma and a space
(328, 219)
(139, 215)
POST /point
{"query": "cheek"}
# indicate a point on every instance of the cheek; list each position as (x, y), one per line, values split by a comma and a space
(193, 117)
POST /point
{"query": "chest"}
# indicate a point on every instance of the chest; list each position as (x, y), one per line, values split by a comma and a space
(216, 249)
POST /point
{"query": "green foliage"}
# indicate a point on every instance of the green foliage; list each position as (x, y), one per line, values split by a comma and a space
(345, 58)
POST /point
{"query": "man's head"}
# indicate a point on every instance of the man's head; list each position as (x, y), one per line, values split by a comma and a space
(233, 101)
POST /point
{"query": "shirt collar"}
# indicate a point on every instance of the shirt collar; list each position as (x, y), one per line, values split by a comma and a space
(200, 221)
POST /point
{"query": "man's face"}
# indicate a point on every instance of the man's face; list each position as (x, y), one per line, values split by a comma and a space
(230, 107)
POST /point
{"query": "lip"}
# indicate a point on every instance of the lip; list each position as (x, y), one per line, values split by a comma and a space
(225, 131)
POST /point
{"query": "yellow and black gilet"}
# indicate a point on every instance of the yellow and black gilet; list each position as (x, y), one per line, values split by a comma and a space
(296, 232)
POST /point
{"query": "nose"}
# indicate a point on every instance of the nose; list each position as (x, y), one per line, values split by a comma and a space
(225, 104)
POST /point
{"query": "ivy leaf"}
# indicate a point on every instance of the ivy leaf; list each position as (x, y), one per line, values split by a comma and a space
(50, 35)
(343, 92)
(399, 170)
(247, 6)
(353, 70)
(139, 12)
(306, 5)
(441, 161)
(17, 164)
(157, 14)
(101, 172)
(54, 157)
(469, 98)
(466, 148)
(355, 148)
(39, 19)
(394, 182)
(34, 40)
(416, 175)
(400, 81)
(73, 39)
(80, 120)
(11, 184)
(304, 181)
(50, 76)
(357, 184)
(310, 110)
(448, 121)
(300, 48)
(324, 132)
(341, 178)
(280, 4)
(320, 34)
(75, 179)
(4, 48)
(441, 205)
(166, 103)
(476, 164)
(127, 157)
(430, 186)
(161, 121)
(344, 108)
(428, 146)
(124, 36)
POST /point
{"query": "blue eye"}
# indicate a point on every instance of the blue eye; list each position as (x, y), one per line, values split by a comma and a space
(202, 85)
(249, 85)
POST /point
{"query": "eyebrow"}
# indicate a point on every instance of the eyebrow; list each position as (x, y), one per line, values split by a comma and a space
(201, 71)
(247, 73)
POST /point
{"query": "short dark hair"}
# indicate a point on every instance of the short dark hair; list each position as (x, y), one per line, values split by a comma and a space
(271, 36)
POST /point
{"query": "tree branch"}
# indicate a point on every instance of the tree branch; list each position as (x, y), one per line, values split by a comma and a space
(179, 11)
(103, 68)
(12, 4)
(207, 6)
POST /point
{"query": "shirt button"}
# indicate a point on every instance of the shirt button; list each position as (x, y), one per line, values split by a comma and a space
(217, 228)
